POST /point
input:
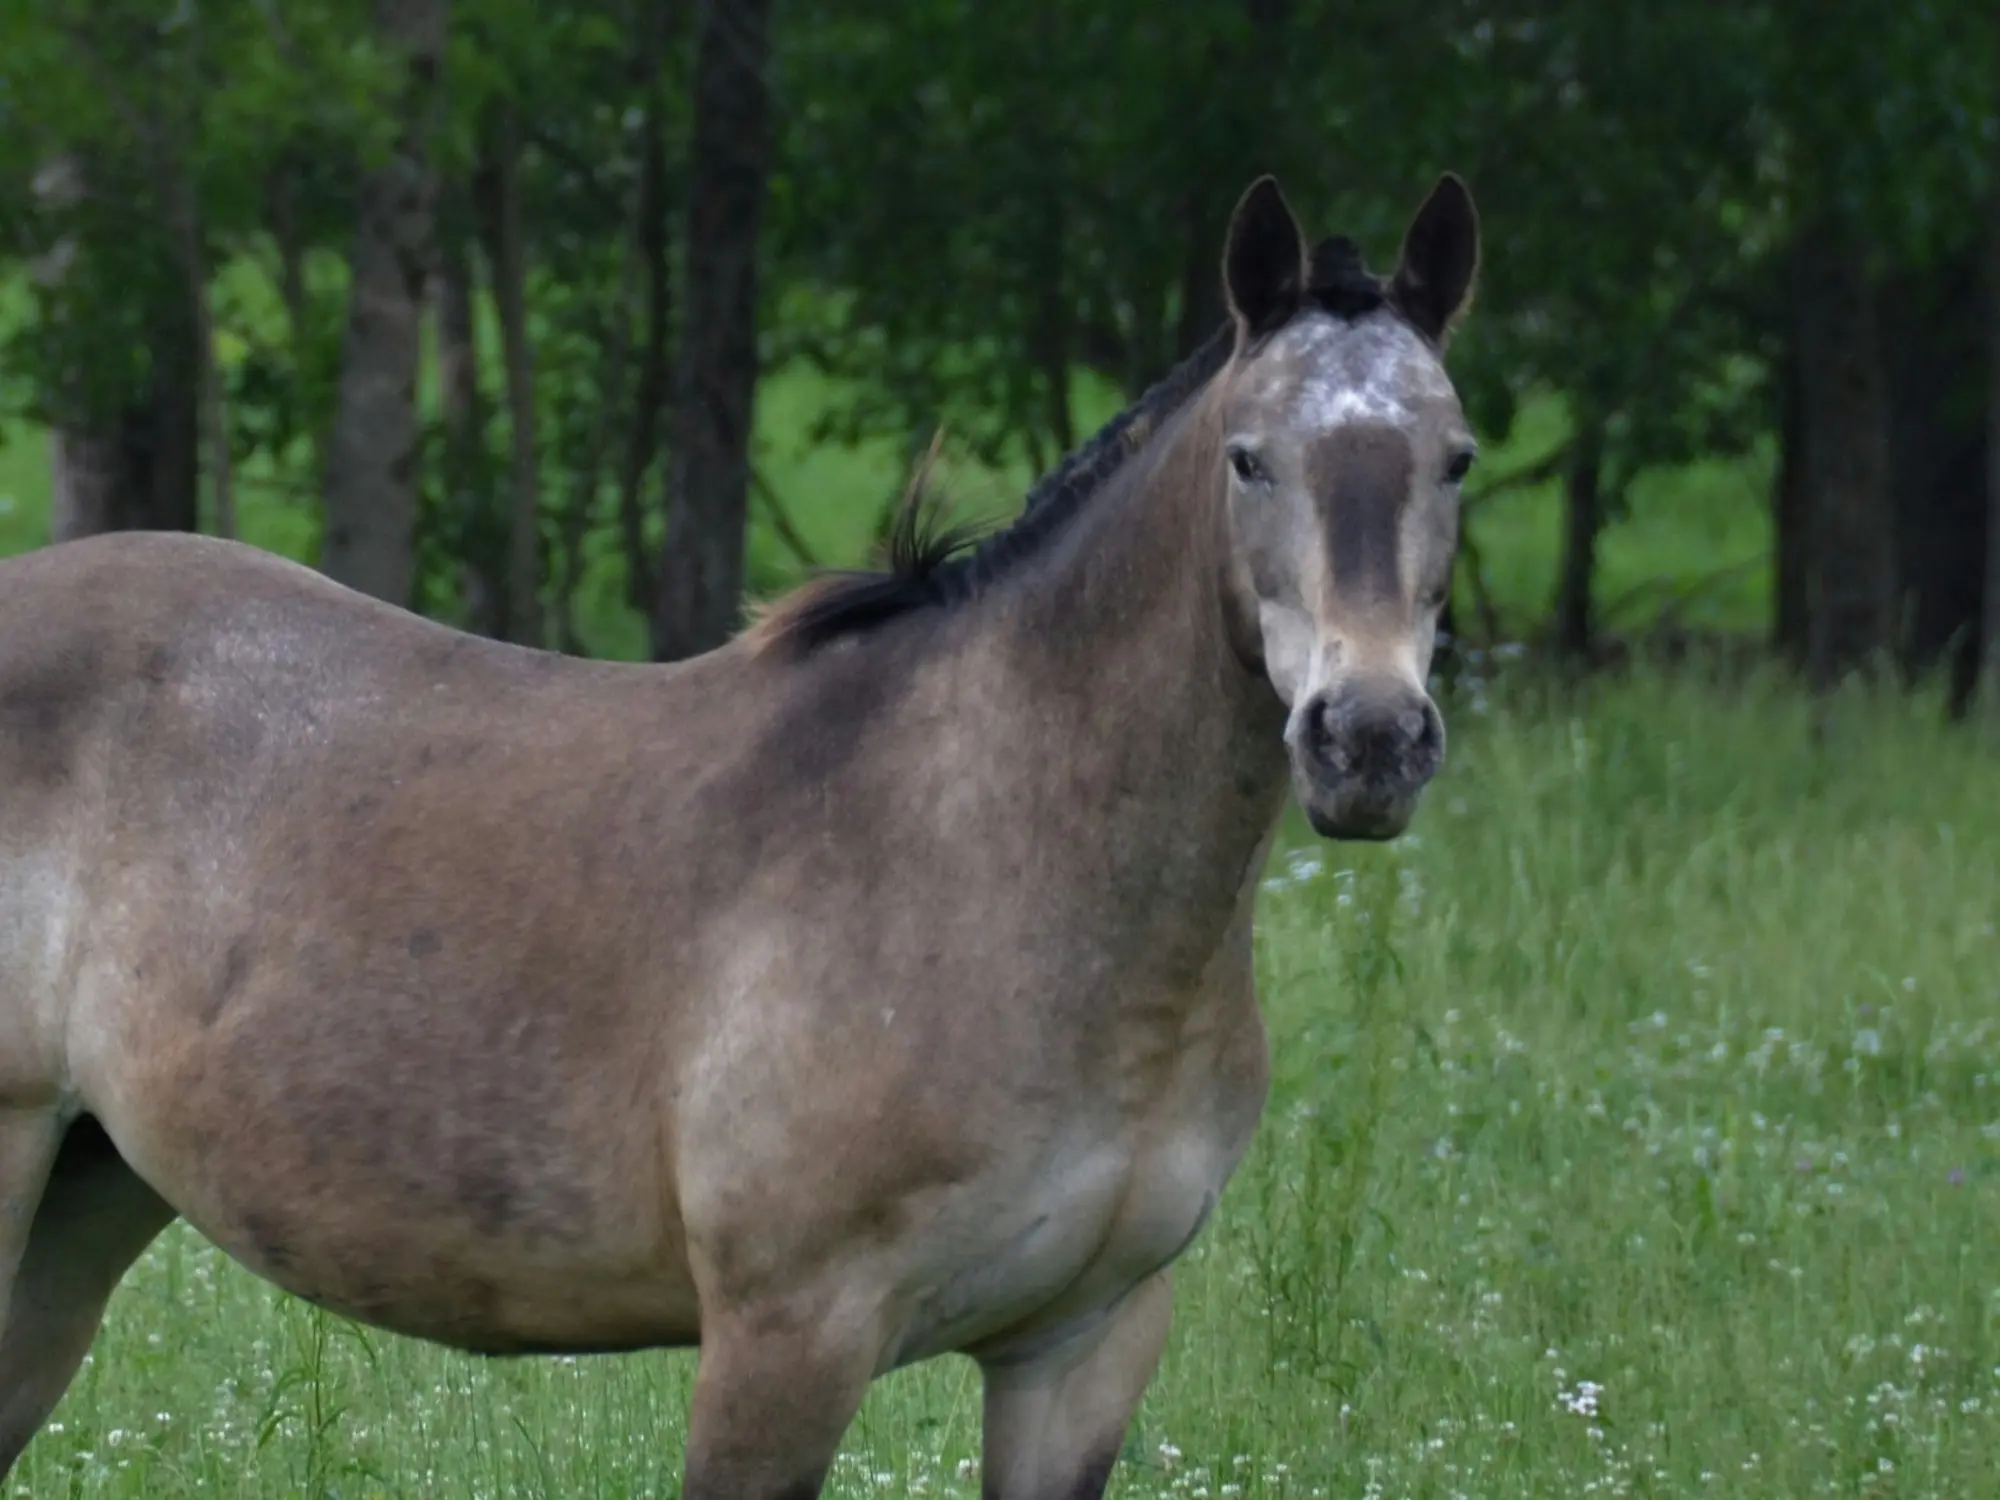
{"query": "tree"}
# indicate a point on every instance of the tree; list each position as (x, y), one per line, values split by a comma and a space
(1867, 138)
(1989, 616)
(519, 612)
(372, 454)
(701, 568)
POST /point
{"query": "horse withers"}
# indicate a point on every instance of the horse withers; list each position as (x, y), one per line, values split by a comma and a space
(875, 987)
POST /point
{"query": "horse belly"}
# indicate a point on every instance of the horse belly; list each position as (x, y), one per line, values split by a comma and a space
(467, 1227)
(408, 1259)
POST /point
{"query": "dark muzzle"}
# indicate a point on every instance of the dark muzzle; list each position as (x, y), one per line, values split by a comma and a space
(1361, 755)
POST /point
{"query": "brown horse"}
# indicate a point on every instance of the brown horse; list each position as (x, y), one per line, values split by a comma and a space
(874, 987)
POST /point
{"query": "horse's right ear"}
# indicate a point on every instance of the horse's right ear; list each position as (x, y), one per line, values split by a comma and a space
(1264, 267)
(1440, 260)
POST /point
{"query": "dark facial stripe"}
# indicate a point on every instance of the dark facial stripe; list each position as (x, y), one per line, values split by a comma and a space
(1360, 478)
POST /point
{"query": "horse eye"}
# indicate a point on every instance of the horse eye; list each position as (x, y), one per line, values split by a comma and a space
(1459, 467)
(1244, 462)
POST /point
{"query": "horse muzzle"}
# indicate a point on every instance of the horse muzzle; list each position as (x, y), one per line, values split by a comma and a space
(1362, 754)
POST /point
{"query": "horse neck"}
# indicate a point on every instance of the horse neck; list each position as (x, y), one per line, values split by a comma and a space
(1170, 750)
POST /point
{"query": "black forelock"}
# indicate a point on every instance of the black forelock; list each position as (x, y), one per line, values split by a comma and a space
(1341, 283)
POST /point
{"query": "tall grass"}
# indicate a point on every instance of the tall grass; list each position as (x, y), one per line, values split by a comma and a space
(1635, 1131)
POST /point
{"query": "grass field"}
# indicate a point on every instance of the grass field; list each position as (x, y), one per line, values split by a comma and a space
(1636, 1132)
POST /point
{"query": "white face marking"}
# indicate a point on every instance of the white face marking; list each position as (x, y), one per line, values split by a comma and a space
(1374, 369)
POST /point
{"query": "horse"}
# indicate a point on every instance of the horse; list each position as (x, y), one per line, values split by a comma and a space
(874, 987)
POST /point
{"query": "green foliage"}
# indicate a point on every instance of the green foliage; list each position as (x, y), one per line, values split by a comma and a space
(998, 219)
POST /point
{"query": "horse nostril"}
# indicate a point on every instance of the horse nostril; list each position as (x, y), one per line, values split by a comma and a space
(1323, 736)
(1426, 744)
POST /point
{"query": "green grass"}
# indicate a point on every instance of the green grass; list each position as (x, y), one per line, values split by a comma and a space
(1636, 1131)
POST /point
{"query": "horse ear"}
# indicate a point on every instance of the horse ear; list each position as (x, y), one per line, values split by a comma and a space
(1264, 267)
(1440, 258)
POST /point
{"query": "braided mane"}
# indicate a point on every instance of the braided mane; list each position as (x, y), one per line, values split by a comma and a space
(935, 565)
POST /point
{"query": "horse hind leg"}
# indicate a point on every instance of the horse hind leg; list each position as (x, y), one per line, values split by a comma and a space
(93, 1218)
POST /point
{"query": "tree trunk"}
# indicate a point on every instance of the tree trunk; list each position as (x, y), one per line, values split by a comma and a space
(1583, 521)
(642, 441)
(1989, 630)
(288, 231)
(140, 469)
(163, 428)
(1791, 515)
(1851, 547)
(701, 572)
(84, 483)
(521, 601)
(1052, 328)
(1933, 337)
(122, 459)
(1202, 309)
(468, 501)
(372, 451)
(83, 449)
(213, 408)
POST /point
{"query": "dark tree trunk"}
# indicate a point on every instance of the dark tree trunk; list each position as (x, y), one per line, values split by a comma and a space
(1988, 663)
(288, 230)
(83, 456)
(163, 429)
(120, 459)
(175, 169)
(1052, 330)
(1583, 521)
(636, 264)
(478, 536)
(1791, 516)
(701, 568)
(84, 473)
(642, 439)
(650, 226)
(372, 451)
(521, 601)
(1851, 551)
(140, 469)
(1202, 309)
(212, 410)
(1934, 341)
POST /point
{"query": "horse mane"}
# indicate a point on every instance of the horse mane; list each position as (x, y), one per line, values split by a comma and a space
(934, 564)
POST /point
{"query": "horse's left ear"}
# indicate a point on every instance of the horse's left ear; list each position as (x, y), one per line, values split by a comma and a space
(1264, 266)
(1440, 258)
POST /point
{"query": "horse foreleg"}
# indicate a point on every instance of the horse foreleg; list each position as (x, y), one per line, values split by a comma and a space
(94, 1217)
(773, 1395)
(1054, 1423)
(28, 1142)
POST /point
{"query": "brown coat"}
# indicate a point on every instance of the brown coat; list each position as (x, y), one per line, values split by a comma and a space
(875, 986)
